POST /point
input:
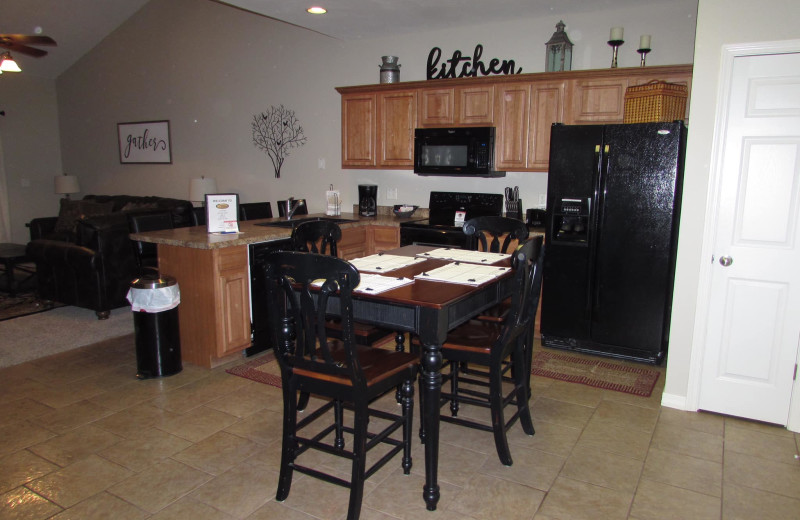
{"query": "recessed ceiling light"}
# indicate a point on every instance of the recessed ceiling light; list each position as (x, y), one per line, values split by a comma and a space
(317, 10)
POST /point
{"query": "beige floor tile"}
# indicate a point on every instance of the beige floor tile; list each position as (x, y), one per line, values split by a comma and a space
(159, 485)
(603, 469)
(133, 422)
(150, 447)
(187, 508)
(239, 491)
(256, 398)
(574, 500)
(550, 437)
(79, 481)
(772, 429)
(531, 468)
(272, 510)
(560, 412)
(218, 453)
(766, 475)
(21, 467)
(657, 501)
(400, 496)
(457, 465)
(483, 496)
(19, 435)
(705, 422)
(23, 504)
(702, 476)
(71, 416)
(197, 424)
(75, 445)
(573, 393)
(263, 427)
(637, 417)
(688, 442)
(22, 409)
(652, 402)
(198, 393)
(742, 503)
(615, 438)
(128, 395)
(102, 507)
(778, 448)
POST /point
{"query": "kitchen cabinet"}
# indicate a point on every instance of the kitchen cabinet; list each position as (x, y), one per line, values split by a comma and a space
(359, 127)
(397, 118)
(383, 238)
(521, 106)
(215, 327)
(456, 106)
(353, 243)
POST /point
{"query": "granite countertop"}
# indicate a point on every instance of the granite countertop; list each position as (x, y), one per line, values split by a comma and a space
(249, 233)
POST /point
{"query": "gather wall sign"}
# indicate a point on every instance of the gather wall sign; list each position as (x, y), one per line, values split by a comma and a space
(144, 142)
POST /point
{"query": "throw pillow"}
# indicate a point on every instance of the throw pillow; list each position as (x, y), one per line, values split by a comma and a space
(139, 206)
(73, 210)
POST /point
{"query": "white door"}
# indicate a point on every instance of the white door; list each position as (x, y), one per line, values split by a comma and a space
(754, 316)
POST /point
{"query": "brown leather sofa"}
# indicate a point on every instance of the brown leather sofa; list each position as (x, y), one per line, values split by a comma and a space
(92, 266)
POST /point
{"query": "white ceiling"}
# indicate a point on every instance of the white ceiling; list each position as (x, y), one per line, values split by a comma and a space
(79, 25)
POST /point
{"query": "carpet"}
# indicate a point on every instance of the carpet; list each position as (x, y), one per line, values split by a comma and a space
(564, 367)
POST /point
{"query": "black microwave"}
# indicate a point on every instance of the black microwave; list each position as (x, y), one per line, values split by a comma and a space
(463, 151)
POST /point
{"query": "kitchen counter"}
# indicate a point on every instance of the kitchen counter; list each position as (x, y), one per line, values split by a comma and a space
(249, 233)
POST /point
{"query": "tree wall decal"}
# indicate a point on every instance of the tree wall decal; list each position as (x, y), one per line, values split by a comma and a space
(275, 132)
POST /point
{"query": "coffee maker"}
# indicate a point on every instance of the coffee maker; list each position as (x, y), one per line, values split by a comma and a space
(367, 200)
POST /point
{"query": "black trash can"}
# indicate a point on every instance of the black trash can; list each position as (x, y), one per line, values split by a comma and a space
(154, 301)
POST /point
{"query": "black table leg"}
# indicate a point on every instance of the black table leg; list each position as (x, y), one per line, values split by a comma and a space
(431, 386)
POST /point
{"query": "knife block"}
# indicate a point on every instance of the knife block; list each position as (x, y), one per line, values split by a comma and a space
(514, 209)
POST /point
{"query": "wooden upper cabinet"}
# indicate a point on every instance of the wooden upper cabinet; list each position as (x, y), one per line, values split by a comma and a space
(512, 107)
(456, 106)
(397, 118)
(547, 107)
(358, 130)
(596, 101)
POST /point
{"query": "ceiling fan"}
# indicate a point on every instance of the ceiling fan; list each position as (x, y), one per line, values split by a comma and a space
(21, 43)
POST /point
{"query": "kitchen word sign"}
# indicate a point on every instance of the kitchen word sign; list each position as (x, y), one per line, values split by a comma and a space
(145, 142)
(460, 66)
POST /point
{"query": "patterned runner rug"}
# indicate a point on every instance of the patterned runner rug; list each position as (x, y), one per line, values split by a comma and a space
(564, 367)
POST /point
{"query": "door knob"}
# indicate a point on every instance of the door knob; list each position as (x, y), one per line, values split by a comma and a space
(725, 261)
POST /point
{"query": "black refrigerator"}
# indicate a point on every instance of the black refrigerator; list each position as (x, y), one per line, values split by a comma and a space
(613, 204)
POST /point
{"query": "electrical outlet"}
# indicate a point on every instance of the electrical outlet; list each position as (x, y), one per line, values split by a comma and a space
(391, 193)
(321, 163)
(542, 200)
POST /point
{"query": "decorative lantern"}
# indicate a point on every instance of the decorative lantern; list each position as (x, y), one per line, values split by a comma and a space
(559, 51)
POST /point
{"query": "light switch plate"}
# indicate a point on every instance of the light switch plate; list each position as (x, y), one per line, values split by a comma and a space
(391, 193)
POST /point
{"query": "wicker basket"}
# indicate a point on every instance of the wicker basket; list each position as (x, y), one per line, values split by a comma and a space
(655, 101)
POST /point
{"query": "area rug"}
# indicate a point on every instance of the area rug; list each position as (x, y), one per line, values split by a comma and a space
(600, 374)
(564, 367)
(23, 304)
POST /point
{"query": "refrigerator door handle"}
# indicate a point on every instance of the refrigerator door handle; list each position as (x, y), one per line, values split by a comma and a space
(601, 169)
(593, 209)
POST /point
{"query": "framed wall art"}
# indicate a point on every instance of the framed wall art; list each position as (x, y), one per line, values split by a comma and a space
(144, 142)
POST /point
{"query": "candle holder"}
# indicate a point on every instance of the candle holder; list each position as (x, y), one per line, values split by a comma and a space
(615, 45)
(643, 54)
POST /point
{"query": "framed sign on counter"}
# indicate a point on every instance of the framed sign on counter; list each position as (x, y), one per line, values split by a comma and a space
(222, 213)
(145, 142)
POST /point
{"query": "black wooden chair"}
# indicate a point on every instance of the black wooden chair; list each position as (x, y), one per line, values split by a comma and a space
(255, 210)
(199, 216)
(486, 234)
(498, 348)
(302, 209)
(349, 375)
(146, 252)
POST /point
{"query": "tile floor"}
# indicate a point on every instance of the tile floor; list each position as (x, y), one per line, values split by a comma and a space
(80, 438)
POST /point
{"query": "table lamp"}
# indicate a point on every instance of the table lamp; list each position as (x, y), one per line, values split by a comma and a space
(198, 188)
(66, 184)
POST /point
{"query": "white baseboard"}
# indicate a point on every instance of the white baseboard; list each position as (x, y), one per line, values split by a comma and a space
(674, 401)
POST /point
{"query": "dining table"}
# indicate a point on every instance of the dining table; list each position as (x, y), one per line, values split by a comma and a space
(428, 309)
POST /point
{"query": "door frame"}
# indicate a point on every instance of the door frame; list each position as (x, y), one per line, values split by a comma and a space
(729, 53)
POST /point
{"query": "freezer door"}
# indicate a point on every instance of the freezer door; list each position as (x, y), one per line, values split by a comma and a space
(636, 235)
(566, 290)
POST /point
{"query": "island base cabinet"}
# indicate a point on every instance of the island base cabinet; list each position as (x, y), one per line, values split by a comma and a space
(214, 313)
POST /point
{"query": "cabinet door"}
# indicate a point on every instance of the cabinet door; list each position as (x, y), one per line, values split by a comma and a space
(353, 243)
(547, 107)
(234, 299)
(512, 107)
(358, 130)
(383, 238)
(436, 106)
(475, 105)
(397, 118)
(597, 101)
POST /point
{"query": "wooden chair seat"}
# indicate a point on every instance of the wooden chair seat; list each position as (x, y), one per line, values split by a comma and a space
(377, 364)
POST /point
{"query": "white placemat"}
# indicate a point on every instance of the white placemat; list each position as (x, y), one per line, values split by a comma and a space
(463, 273)
(464, 255)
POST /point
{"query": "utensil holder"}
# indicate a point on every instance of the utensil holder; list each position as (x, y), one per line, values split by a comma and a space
(514, 209)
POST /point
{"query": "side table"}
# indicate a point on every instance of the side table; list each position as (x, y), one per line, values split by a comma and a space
(11, 255)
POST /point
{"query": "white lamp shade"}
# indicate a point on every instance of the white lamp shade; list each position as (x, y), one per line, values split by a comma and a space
(198, 188)
(66, 184)
(7, 64)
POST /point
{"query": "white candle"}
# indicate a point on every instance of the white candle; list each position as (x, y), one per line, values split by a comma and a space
(616, 33)
(644, 41)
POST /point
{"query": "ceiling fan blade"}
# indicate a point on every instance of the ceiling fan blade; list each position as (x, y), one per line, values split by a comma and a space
(23, 49)
(29, 39)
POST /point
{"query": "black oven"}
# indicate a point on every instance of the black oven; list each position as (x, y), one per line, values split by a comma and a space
(448, 212)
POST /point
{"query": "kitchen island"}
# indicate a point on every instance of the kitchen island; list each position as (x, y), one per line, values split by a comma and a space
(213, 274)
